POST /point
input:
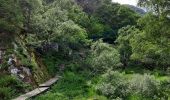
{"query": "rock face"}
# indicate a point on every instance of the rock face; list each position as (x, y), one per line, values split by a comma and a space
(13, 70)
(24, 63)
(20, 72)
(27, 71)
(35, 75)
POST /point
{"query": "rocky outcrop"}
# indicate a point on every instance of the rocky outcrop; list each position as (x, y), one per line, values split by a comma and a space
(23, 63)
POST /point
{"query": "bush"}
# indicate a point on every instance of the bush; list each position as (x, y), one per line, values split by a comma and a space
(104, 57)
(7, 81)
(11, 87)
(3, 66)
(165, 90)
(52, 63)
(144, 86)
(140, 87)
(69, 87)
(51, 96)
(72, 87)
(113, 85)
(6, 93)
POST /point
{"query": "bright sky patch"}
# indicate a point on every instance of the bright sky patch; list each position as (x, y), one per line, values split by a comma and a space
(130, 2)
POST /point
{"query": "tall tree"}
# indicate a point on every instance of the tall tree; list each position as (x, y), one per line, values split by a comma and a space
(104, 57)
(54, 23)
(151, 45)
(111, 15)
(10, 16)
(123, 41)
(160, 7)
(91, 6)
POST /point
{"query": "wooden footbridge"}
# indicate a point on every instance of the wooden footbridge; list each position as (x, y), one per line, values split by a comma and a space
(42, 88)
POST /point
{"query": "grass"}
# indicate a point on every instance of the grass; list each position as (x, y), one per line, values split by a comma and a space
(158, 74)
(72, 87)
(79, 85)
(10, 87)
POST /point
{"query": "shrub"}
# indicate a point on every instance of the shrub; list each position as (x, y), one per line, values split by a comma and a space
(52, 63)
(144, 86)
(104, 57)
(113, 85)
(71, 85)
(52, 96)
(11, 87)
(74, 67)
(3, 66)
(8, 86)
(6, 93)
(140, 87)
(7, 81)
(165, 90)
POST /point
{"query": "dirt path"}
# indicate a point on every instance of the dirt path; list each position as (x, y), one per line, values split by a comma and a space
(42, 88)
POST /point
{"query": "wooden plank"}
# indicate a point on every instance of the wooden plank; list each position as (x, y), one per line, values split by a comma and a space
(32, 93)
(49, 83)
(42, 88)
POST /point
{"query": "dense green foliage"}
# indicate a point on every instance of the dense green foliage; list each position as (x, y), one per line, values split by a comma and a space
(104, 57)
(9, 87)
(155, 48)
(139, 87)
(72, 86)
(102, 50)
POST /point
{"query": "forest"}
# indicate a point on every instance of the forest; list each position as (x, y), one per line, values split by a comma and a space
(100, 49)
